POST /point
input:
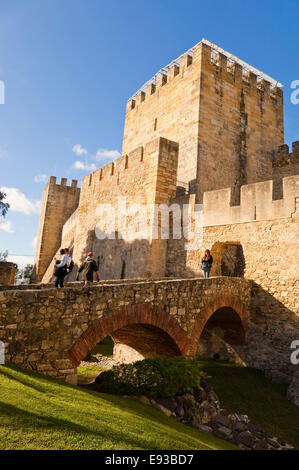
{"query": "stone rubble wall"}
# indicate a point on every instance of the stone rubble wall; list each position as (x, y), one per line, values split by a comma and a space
(7, 273)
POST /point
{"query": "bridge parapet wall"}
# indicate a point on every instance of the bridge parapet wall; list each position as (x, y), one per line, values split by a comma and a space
(52, 330)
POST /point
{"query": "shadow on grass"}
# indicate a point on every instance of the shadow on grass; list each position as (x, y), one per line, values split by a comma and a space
(148, 419)
(26, 419)
(247, 391)
(22, 378)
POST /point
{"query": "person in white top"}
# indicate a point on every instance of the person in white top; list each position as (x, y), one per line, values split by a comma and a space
(60, 269)
(68, 257)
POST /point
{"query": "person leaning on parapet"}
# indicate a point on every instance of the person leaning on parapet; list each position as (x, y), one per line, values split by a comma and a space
(60, 269)
(206, 264)
(88, 267)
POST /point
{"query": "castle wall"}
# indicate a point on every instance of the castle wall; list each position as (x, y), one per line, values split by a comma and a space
(146, 176)
(240, 126)
(269, 242)
(59, 202)
(284, 164)
(168, 108)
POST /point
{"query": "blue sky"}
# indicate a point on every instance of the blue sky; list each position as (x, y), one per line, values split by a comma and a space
(70, 65)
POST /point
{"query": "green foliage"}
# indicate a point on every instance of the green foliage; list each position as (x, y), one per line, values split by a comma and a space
(153, 377)
(4, 206)
(24, 273)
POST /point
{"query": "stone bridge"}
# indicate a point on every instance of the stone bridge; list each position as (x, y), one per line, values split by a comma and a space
(52, 331)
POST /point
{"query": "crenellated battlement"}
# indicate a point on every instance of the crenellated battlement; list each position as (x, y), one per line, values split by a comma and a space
(285, 157)
(63, 182)
(256, 203)
(114, 170)
(229, 66)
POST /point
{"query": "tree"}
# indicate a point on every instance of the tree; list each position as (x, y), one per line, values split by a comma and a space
(24, 273)
(4, 206)
(28, 271)
(3, 255)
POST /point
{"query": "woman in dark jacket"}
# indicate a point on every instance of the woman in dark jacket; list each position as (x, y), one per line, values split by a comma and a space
(206, 264)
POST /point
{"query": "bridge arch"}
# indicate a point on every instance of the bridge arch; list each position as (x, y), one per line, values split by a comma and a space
(140, 314)
(222, 304)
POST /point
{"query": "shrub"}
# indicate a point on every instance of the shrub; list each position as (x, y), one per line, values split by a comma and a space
(153, 377)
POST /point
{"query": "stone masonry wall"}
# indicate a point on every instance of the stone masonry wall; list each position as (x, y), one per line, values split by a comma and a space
(284, 164)
(7, 272)
(270, 251)
(240, 126)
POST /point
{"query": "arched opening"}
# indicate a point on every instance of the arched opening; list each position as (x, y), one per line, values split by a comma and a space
(126, 345)
(139, 341)
(100, 358)
(221, 335)
(229, 259)
(137, 331)
(123, 270)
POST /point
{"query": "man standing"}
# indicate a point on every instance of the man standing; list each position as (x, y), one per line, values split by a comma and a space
(88, 267)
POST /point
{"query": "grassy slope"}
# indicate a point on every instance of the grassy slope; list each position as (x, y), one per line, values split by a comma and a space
(40, 413)
(247, 391)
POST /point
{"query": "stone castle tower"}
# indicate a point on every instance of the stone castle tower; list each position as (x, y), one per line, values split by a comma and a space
(226, 116)
(206, 122)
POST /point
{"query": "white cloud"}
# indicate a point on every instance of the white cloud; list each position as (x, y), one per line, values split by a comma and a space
(105, 154)
(33, 243)
(6, 226)
(43, 178)
(21, 261)
(19, 202)
(79, 150)
(78, 165)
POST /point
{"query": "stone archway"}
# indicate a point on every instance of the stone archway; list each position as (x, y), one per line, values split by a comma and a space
(139, 341)
(141, 314)
(228, 259)
(223, 304)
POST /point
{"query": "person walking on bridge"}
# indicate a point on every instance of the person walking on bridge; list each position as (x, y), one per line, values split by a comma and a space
(88, 267)
(60, 269)
(206, 264)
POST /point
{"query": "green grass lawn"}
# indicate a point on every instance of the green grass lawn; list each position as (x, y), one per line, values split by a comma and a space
(247, 391)
(87, 374)
(105, 347)
(37, 412)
